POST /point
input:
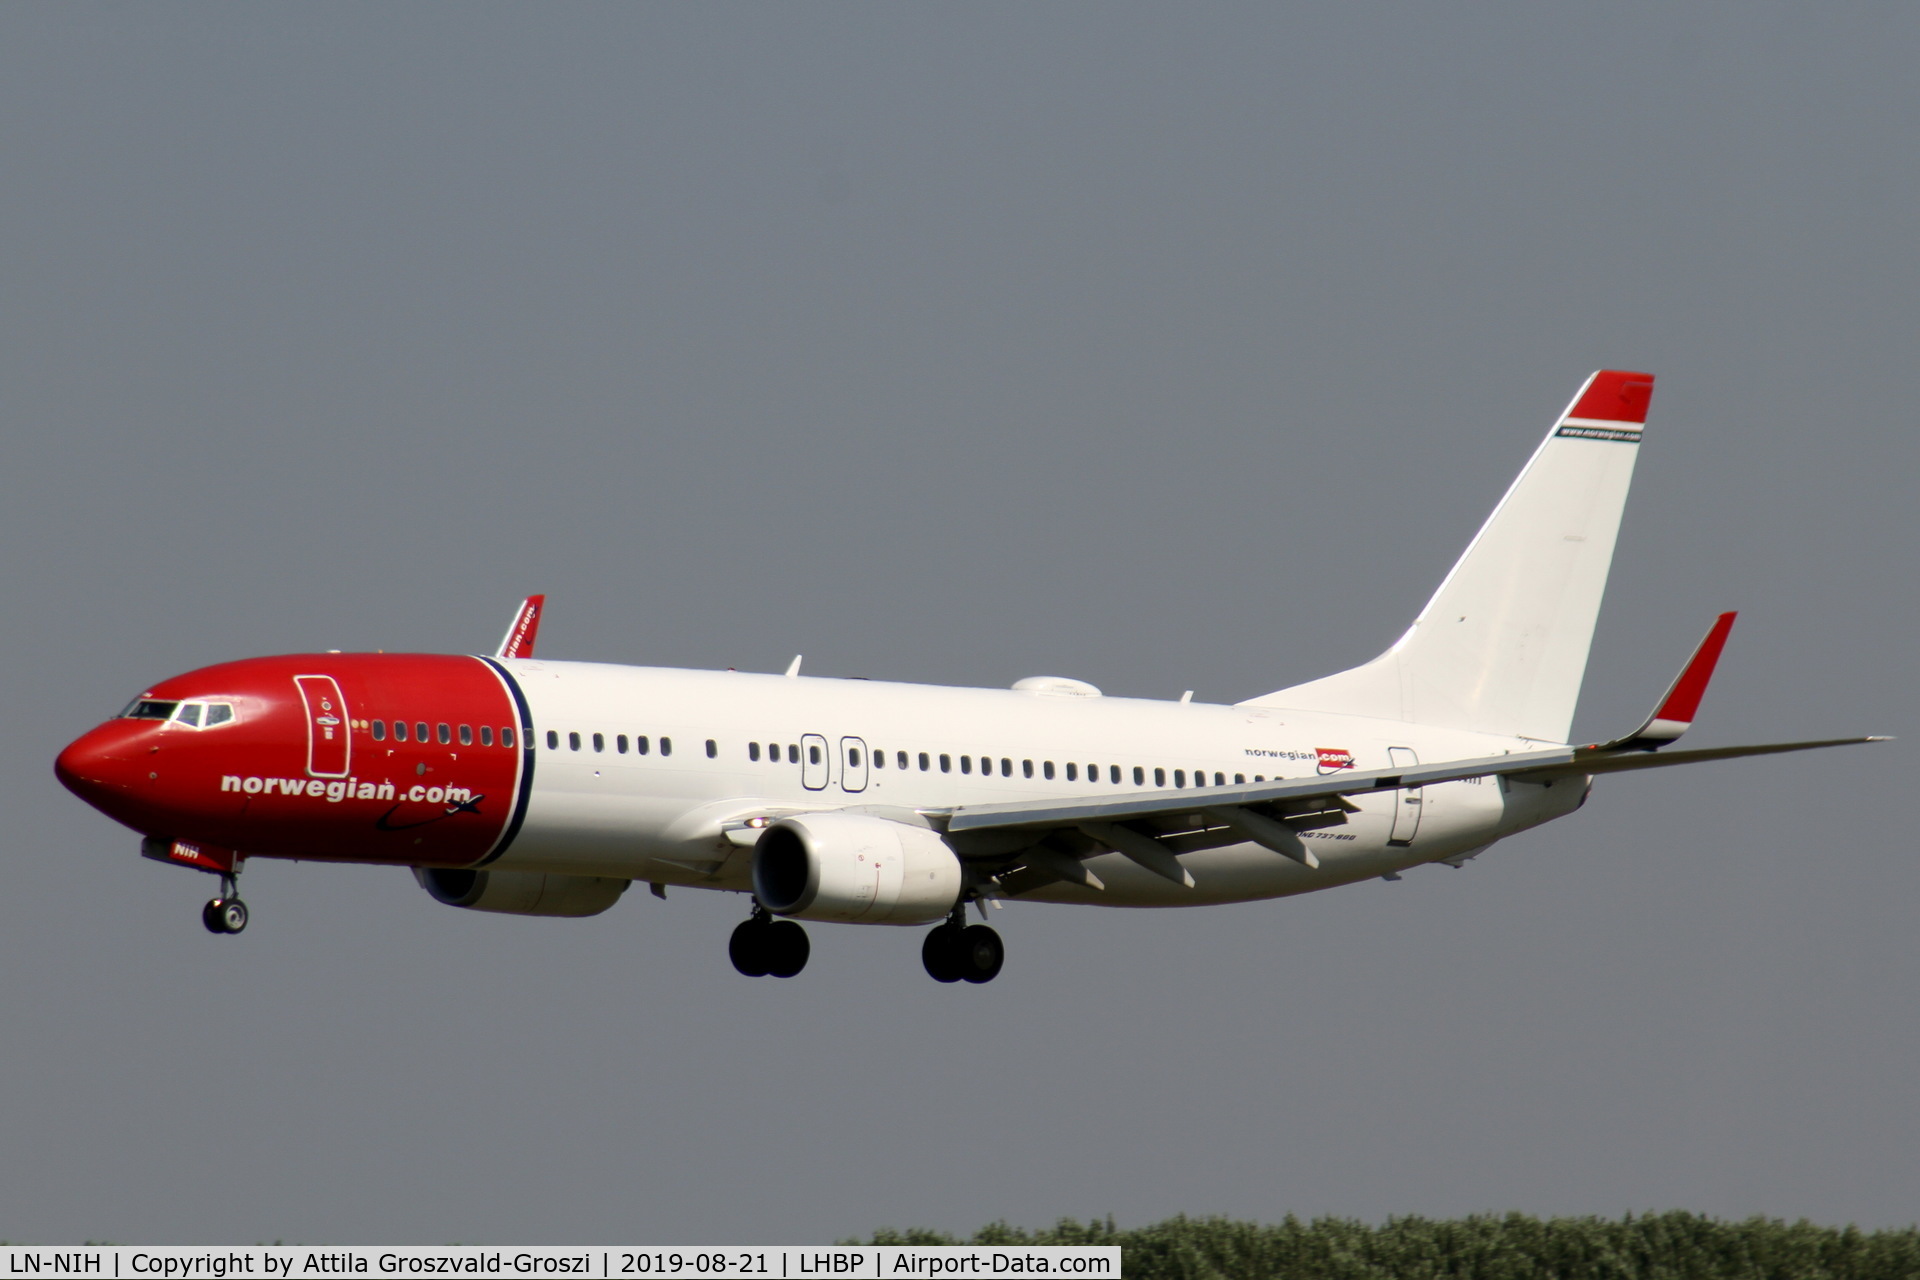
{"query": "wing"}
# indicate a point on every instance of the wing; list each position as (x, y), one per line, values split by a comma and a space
(1153, 828)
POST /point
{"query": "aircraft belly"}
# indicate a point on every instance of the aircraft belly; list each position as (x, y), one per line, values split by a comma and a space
(606, 834)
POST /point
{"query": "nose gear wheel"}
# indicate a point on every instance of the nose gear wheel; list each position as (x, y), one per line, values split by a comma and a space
(224, 915)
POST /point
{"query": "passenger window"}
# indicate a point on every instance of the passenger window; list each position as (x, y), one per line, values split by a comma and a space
(1073, 772)
(853, 757)
(966, 764)
(1159, 777)
(399, 730)
(640, 745)
(506, 737)
(900, 759)
(573, 742)
(946, 763)
(1113, 773)
(620, 743)
(419, 730)
(1093, 773)
(666, 746)
(553, 740)
(379, 730)
(219, 713)
(1179, 777)
(1026, 768)
(713, 749)
(1239, 779)
(466, 735)
(442, 732)
(599, 742)
(1006, 767)
(793, 754)
(753, 751)
(879, 759)
(1219, 779)
(1046, 770)
(486, 735)
(188, 714)
(925, 764)
(1139, 776)
(813, 753)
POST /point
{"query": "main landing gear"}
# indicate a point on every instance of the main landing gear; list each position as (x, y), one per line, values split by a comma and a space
(762, 946)
(226, 913)
(959, 952)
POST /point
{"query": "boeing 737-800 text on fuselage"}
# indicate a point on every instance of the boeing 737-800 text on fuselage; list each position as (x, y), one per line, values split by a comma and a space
(514, 784)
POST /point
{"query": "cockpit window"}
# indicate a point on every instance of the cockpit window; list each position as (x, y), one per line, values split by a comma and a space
(194, 715)
(147, 709)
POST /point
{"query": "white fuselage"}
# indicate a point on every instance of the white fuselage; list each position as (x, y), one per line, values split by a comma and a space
(676, 818)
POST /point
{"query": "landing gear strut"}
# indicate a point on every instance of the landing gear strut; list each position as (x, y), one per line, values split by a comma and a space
(226, 913)
(762, 946)
(960, 952)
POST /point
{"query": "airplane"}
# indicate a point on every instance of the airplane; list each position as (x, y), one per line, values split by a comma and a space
(514, 784)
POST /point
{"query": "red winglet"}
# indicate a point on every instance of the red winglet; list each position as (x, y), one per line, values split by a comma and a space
(1674, 715)
(1614, 395)
(518, 642)
(1683, 700)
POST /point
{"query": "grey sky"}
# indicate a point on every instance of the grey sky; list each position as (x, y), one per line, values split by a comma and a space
(1168, 348)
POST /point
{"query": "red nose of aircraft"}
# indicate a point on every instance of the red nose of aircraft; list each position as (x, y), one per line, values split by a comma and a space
(107, 763)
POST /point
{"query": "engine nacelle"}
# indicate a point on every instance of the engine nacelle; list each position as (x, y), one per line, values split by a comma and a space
(521, 893)
(856, 868)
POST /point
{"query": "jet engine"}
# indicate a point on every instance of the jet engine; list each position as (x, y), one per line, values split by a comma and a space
(521, 893)
(856, 868)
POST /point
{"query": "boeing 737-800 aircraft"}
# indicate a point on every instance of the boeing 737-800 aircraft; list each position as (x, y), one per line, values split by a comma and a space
(514, 784)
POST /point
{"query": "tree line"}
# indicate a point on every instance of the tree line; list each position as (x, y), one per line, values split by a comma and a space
(1656, 1246)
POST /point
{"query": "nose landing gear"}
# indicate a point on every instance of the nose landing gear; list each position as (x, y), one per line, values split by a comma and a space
(226, 913)
(958, 952)
(762, 946)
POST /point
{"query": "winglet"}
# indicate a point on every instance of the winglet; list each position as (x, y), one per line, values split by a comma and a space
(518, 642)
(1674, 715)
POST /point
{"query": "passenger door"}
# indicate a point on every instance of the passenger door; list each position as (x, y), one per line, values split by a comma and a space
(328, 747)
(1406, 801)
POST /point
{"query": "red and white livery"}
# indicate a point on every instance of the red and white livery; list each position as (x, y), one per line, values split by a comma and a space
(511, 783)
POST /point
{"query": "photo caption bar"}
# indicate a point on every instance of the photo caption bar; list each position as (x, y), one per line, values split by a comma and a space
(821, 1262)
